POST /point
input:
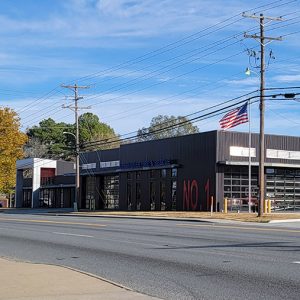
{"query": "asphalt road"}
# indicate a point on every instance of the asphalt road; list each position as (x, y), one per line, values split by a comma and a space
(166, 259)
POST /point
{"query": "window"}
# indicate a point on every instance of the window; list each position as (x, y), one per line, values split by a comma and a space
(111, 192)
(174, 172)
(138, 174)
(173, 194)
(162, 196)
(152, 173)
(163, 173)
(138, 196)
(27, 198)
(47, 176)
(27, 173)
(282, 187)
(90, 193)
(129, 175)
(236, 188)
(152, 195)
(47, 198)
(129, 197)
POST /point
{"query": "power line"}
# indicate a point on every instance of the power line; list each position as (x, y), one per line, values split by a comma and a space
(160, 83)
(186, 38)
(136, 60)
(269, 4)
(200, 111)
(218, 111)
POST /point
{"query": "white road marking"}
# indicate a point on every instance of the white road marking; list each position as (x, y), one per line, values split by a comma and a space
(296, 262)
(73, 234)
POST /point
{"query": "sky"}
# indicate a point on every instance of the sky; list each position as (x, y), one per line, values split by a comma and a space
(141, 58)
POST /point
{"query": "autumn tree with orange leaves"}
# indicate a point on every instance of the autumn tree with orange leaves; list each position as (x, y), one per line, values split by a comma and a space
(11, 147)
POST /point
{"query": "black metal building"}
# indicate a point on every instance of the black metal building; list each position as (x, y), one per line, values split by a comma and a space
(190, 172)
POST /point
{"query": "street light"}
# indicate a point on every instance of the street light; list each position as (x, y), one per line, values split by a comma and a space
(70, 133)
(77, 195)
(248, 72)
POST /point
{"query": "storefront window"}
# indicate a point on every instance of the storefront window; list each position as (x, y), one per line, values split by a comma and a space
(152, 195)
(173, 193)
(163, 173)
(27, 198)
(138, 196)
(152, 173)
(162, 196)
(174, 172)
(282, 188)
(236, 188)
(111, 192)
(129, 198)
(90, 193)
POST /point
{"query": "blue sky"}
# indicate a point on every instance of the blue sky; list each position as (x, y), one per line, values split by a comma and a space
(144, 58)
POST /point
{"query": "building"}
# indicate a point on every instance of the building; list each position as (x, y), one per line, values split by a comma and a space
(44, 183)
(190, 172)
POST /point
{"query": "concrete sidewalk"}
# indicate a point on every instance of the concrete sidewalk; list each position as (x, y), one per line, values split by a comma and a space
(20, 281)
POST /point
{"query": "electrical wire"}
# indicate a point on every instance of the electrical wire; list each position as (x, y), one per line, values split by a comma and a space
(191, 119)
(189, 115)
(184, 39)
(288, 2)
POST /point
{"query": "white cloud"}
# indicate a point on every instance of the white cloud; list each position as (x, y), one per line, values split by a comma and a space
(287, 78)
(76, 39)
(250, 81)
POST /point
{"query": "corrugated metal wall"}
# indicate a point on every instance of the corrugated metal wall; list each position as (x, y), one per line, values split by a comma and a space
(240, 139)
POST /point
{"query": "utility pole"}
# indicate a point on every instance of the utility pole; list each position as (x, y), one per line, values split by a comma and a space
(75, 108)
(262, 40)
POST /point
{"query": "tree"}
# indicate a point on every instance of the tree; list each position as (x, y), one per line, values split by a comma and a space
(35, 148)
(48, 139)
(50, 134)
(165, 127)
(11, 143)
(92, 130)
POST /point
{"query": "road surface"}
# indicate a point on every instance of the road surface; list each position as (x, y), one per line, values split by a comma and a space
(166, 259)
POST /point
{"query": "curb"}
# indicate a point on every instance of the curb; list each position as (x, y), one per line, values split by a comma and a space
(174, 219)
(132, 217)
(284, 221)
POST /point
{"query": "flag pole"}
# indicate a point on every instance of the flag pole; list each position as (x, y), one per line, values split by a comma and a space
(249, 170)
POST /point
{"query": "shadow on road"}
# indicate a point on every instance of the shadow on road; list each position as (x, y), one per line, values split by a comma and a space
(35, 211)
(278, 246)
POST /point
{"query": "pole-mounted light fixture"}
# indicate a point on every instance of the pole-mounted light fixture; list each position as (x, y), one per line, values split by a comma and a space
(248, 72)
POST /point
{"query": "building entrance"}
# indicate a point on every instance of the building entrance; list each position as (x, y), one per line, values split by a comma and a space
(111, 192)
(236, 188)
(283, 189)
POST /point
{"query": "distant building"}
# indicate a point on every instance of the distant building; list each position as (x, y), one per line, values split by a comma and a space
(180, 173)
(44, 183)
(4, 202)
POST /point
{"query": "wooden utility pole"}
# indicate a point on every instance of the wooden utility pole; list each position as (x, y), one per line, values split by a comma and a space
(262, 40)
(75, 108)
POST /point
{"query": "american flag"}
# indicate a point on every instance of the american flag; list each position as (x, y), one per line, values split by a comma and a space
(235, 117)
